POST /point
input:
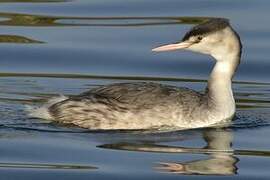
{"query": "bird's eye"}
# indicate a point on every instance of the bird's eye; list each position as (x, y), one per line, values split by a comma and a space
(199, 38)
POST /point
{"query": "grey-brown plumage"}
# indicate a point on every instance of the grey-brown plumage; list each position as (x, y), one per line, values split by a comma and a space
(129, 106)
(154, 106)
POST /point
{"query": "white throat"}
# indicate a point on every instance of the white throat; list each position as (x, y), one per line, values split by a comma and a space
(219, 92)
(219, 88)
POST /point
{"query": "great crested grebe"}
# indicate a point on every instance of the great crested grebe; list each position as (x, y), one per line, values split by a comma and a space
(147, 105)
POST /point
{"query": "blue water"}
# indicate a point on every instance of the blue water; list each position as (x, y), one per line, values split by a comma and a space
(57, 47)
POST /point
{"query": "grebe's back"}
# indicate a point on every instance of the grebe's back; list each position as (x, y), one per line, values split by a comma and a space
(130, 106)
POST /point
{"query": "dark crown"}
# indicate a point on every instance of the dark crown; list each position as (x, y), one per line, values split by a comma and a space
(210, 26)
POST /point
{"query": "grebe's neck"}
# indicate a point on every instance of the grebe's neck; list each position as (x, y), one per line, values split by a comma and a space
(221, 102)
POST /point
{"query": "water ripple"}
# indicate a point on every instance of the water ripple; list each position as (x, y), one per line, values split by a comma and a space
(46, 166)
(14, 19)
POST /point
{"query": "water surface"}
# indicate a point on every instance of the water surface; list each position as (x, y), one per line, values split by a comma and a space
(55, 47)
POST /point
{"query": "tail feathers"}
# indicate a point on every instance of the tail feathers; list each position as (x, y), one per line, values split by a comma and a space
(43, 111)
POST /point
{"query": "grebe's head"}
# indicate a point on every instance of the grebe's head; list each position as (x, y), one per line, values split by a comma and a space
(214, 37)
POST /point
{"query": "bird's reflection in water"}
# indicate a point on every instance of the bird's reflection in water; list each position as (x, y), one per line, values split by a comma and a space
(220, 160)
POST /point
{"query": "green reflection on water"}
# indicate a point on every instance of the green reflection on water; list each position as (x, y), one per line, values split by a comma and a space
(15, 19)
(16, 39)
